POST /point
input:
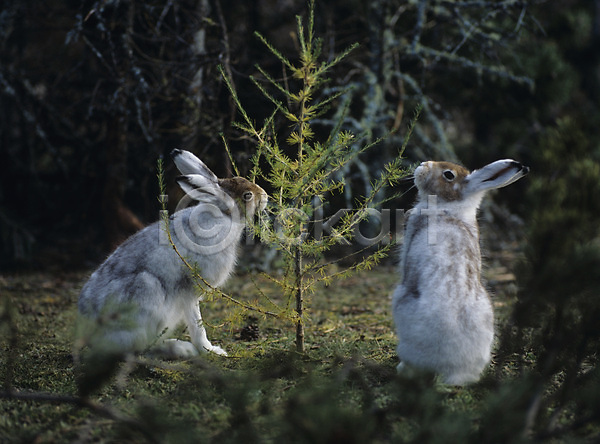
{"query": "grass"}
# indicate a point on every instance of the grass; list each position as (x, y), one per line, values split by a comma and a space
(343, 389)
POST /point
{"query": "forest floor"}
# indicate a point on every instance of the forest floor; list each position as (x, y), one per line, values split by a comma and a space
(341, 389)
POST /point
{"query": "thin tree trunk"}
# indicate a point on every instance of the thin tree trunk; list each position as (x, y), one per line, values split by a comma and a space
(198, 48)
(299, 302)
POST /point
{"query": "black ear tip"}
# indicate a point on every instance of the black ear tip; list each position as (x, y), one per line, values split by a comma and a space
(521, 167)
(182, 179)
(176, 152)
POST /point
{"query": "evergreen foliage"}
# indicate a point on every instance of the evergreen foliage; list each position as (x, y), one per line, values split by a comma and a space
(303, 174)
(556, 317)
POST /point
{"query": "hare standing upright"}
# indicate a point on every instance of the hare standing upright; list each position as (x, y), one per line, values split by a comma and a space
(443, 314)
(143, 290)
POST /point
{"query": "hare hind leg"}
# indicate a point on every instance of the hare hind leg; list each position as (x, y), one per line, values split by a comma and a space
(174, 349)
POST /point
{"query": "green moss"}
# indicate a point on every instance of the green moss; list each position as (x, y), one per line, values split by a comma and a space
(344, 387)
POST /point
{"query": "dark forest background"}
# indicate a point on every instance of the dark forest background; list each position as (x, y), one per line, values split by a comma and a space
(93, 92)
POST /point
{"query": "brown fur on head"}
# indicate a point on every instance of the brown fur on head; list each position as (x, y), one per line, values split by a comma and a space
(245, 192)
(443, 179)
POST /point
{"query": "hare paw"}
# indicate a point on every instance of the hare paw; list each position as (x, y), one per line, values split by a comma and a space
(402, 368)
(215, 349)
(406, 370)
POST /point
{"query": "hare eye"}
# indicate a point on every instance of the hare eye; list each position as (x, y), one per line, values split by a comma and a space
(449, 175)
(248, 195)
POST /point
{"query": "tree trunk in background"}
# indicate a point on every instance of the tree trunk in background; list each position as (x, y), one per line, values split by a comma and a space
(119, 221)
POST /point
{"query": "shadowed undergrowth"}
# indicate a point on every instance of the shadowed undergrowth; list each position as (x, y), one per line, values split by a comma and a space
(343, 389)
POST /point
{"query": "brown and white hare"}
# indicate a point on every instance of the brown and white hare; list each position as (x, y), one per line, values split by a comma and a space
(143, 291)
(443, 314)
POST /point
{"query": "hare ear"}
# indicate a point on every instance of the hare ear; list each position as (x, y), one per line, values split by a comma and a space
(195, 185)
(495, 175)
(203, 190)
(187, 163)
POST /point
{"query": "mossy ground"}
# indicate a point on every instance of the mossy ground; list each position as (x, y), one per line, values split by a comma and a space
(343, 389)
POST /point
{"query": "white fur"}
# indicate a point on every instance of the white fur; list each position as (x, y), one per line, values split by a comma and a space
(143, 289)
(443, 314)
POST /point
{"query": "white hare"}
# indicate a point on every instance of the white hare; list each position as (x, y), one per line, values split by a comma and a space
(443, 314)
(143, 291)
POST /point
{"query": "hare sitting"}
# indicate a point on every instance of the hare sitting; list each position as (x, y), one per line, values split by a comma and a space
(143, 290)
(443, 314)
